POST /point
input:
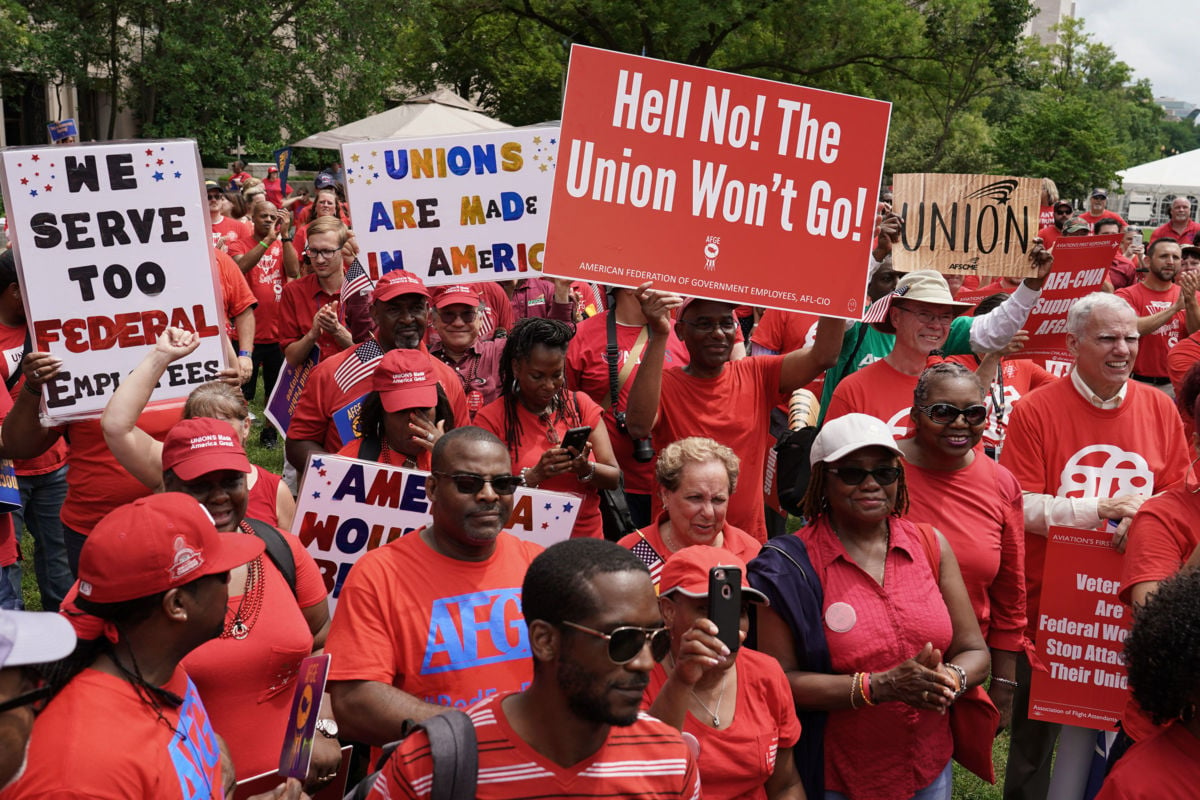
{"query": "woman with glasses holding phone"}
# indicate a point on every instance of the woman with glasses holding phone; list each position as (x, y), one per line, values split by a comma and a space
(946, 473)
(535, 413)
(896, 643)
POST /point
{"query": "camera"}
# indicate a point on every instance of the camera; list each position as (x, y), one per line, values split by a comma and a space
(643, 449)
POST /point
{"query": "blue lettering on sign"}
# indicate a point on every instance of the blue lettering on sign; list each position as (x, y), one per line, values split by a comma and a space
(473, 630)
(193, 749)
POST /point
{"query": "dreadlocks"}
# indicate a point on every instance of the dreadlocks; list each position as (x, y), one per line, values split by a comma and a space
(524, 336)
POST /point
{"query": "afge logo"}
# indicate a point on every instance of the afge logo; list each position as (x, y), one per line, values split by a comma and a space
(712, 249)
(1103, 470)
(475, 629)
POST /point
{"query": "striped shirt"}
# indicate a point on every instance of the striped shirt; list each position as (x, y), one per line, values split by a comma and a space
(645, 760)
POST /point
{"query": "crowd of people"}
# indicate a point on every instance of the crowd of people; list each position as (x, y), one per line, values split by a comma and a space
(682, 641)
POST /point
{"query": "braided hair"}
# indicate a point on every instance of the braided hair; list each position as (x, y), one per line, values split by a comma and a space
(944, 369)
(524, 336)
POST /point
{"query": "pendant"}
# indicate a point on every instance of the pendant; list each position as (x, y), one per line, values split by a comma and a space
(239, 629)
(716, 721)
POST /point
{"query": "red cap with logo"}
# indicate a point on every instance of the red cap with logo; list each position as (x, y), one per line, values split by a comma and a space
(198, 446)
(395, 283)
(404, 380)
(457, 294)
(154, 544)
(686, 572)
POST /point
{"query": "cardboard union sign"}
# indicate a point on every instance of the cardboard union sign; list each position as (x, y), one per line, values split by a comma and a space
(966, 224)
(112, 242)
(1080, 266)
(715, 185)
(348, 506)
(1081, 628)
(455, 209)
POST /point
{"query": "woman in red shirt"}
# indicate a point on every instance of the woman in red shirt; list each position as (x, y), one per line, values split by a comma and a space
(534, 412)
(903, 643)
(945, 471)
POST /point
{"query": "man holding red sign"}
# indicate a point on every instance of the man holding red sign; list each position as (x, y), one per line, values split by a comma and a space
(1164, 309)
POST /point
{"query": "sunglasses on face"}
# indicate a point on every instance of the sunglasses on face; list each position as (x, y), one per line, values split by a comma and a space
(448, 317)
(467, 483)
(853, 476)
(944, 413)
(627, 641)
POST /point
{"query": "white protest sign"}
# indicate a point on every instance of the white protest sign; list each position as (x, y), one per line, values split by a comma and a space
(453, 209)
(113, 245)
(348, 506)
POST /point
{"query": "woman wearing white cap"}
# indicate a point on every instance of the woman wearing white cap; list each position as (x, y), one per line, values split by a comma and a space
(903, 643)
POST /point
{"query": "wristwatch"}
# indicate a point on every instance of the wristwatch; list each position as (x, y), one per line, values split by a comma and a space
(327, 727)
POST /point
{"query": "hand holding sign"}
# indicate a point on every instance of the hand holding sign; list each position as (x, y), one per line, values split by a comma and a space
(656, 307)
(1041, 261)
(39, 368)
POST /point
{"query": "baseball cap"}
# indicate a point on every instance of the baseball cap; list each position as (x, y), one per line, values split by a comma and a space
(923, 285)
(198, 446)
(456, 294)
(1100, 193)
(154, 544)
(1076, 225)
(34, 637)
(404, 379)
(212, 185)
(686, 572)
(843, 435)
(323, 181)
(272, 168)
(687, 301)
(395, 283)
(1062, 203)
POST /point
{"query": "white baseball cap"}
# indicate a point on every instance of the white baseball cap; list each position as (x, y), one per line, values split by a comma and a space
(34, 637)
(842, 436)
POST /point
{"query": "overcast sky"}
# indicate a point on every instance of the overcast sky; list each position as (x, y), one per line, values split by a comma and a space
(1157, 38)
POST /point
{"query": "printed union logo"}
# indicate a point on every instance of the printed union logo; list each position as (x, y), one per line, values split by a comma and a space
(998, 191)
(1103, 470)
(712, 249)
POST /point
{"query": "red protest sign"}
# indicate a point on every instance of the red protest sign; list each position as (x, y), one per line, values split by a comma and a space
(1080, 267)
(1081, 628)
(715, 185)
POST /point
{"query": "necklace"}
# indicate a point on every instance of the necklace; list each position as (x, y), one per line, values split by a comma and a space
(251, 601)
(384, 458)
(715, 713)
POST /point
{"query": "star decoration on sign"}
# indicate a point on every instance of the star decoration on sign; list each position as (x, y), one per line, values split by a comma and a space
(549, 506)
(178, 174)
(318, 463)
(354, 158)
(543, 167)
(158, 176)
(36, 157)
(149, 151)
(545, 525)
(49, 187)
(316, 495)
(33, 192)
(567, 508)
(322, 472)
(537, 140)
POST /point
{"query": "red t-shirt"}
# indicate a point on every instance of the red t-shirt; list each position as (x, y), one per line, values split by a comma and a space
(12, 343)
(264, 497)
(275, 192)
(99, 738)
(880, 390)
(396, 626)
(735, 540)
(647, 759)
(986, 531)
(322, 397)
(1122, 272)
(237, 294)
(248, 684)
(390, 457)
(230, 230)
(266, 280)
(1166, 767)
(8, 532)
(1060, 444)
(535, 441)
(784, 331)
(96, 483)
(1049, 235)
(587, 372)
(732, 408)
(1091, 219)
(1165, 231)
(1154, 347)
(737, 761)
(299, 303)
(1185, 353)
(876, 629)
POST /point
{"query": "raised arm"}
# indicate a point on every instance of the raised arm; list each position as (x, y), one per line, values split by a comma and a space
(641, 410)
(993, 330)
(801, 367)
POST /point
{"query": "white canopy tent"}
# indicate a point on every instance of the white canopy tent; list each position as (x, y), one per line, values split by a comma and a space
(1150, 187)
(433, 114)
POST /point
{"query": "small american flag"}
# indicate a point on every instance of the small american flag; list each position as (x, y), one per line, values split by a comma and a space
(357, 281)
(879, 309)
(650, 557)
(358, 365)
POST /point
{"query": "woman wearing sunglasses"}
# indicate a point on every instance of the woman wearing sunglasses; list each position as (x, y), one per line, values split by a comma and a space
(946, 473)
(534, 412)
(902, 641)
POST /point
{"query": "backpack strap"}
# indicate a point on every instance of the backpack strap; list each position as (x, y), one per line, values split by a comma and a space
(277, 550)
(15, 374)
(455, 755)
(370, 448)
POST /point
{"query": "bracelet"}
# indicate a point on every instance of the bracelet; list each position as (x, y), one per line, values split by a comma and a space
(264, 245)
(854, 688)
(36, 391)
(525, 477)
(286, 238)
(864, 686)
(1005, 682)
(962, 679)
(591, 474)
(243, 354)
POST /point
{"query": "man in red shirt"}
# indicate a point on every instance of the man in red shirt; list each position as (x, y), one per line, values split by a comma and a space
(1098, 209)
(1180, 227)
(728, 401)
(225, 231)
(310, 307)
(1165, 312)
(1062, 212)
(1086, 449)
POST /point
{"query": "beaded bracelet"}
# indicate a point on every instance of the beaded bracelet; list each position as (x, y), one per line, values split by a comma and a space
(854, 681)
(962, 679)
(1005, 682)
(864, 687)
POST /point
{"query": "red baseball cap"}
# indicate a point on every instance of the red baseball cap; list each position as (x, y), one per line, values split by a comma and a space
(404, 379)
(686, 572)
(396, 283)
(457, 294)
(154, 544)
(198, 446)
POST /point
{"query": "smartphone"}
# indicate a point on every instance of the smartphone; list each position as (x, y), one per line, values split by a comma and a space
(576, 438)
(725, 604)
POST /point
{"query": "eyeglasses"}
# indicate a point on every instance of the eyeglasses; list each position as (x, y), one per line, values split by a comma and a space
(321, 255)
(448, 317)
(727, 325)
(853, 476)
(944, 413)
(928, 317)
(468, 483)
(627, 641)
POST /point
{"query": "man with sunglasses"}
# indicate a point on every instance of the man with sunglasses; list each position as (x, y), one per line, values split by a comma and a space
(433, 619)
(456, 317)
(595, 633)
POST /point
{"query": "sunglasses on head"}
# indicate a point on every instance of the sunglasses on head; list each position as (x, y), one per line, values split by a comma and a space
(944, 413)
(853, 476)
(627, 641)
(467, 483)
